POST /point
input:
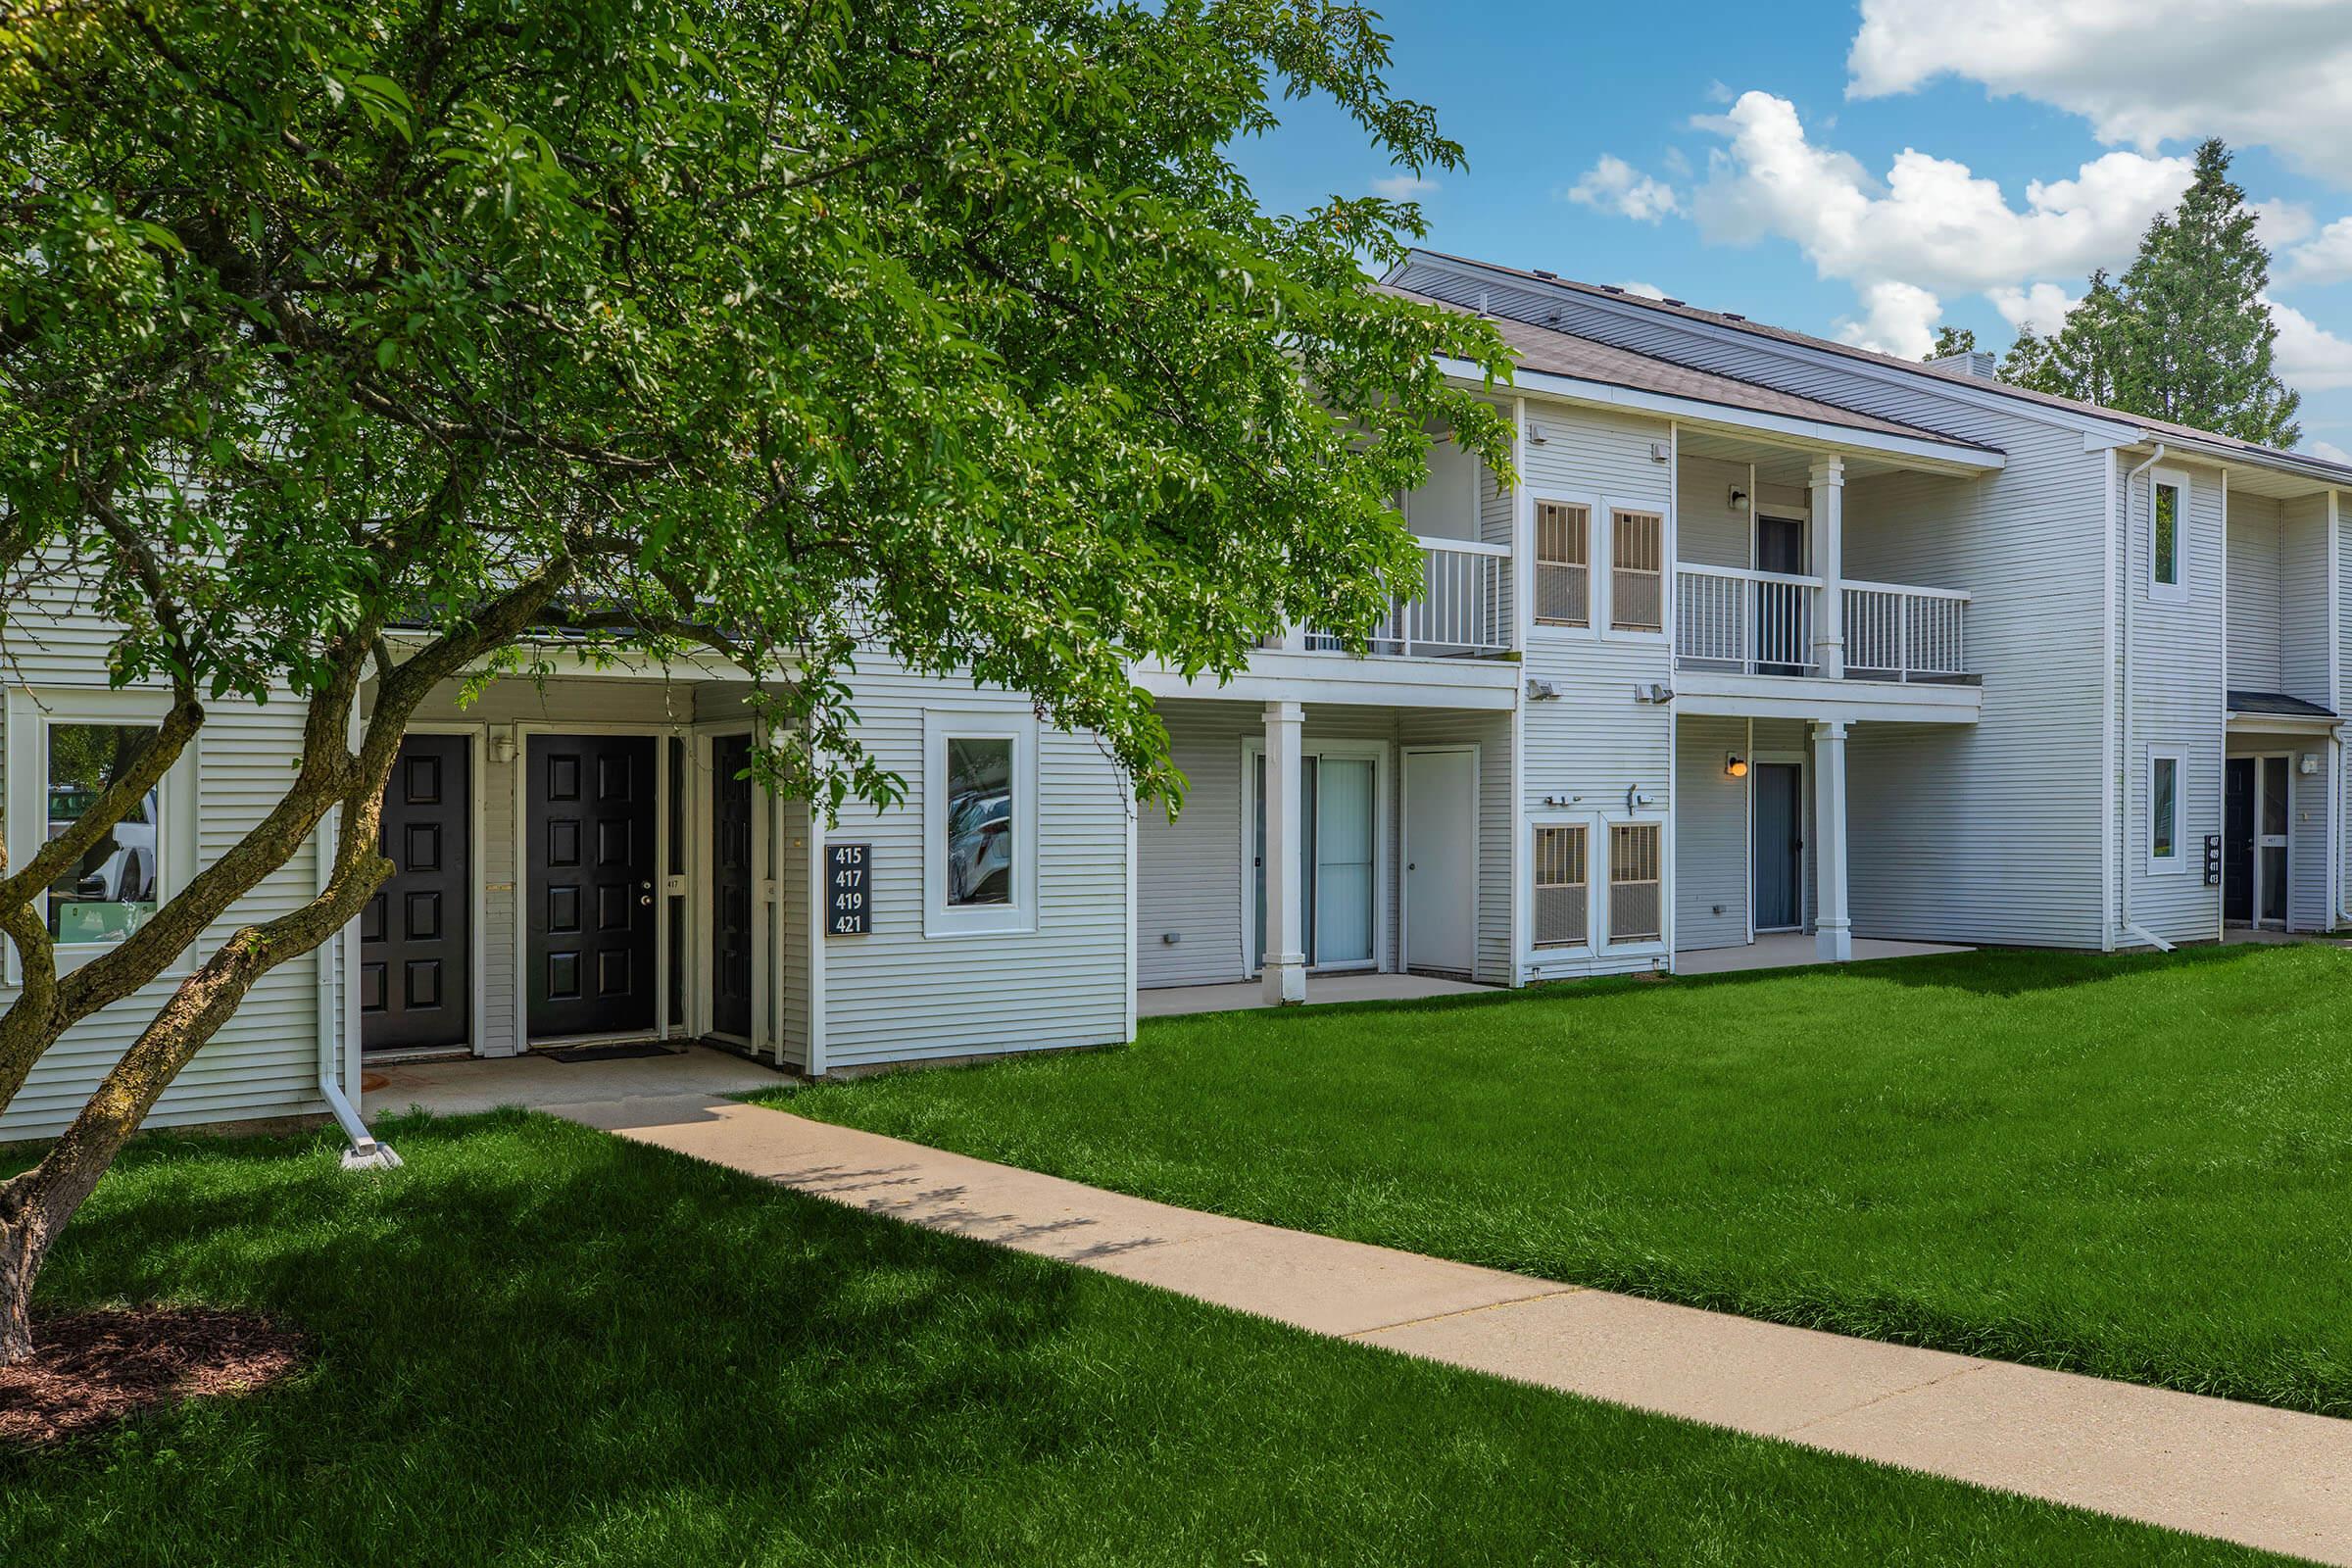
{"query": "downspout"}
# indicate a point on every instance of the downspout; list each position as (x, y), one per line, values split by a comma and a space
(2123, 824)
(365, 1153)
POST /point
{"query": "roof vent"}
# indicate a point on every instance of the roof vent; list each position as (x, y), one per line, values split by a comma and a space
(1673, 302)
(1977, 362)
(1729, 317)
(1549, 278)
(1610, 289)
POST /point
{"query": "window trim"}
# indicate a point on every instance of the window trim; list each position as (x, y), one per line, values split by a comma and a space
(1019, 726)
(1536, 565)
(1524, 565)
(1535, 826)
(2176, 864)
(1664, 573)
(1609, 941)
(29, 716)
(2175, 592)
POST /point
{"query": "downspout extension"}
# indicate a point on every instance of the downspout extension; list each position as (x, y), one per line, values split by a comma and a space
(2123, 824)
(363, 1152)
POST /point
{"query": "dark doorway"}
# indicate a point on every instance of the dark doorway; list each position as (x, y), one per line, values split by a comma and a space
(1784, 615)
(417, 934)
(2237, 840)
(1779, 845)
(2272, 844)
(589, 813)
(731, 886)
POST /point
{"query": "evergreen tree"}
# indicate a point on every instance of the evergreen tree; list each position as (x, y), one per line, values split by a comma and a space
(2185, 334)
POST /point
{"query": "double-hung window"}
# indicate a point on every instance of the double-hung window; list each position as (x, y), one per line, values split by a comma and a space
(1563, 564)
(1563, 908)
(1638, 571)
(980, 821)
(1635, 908)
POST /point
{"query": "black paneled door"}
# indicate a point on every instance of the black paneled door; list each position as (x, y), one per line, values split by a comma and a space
(2237, 839)
(416, 935)
(589, 813)
(731, 886)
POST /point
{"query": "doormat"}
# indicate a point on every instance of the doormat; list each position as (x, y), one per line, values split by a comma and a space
(615, 1052)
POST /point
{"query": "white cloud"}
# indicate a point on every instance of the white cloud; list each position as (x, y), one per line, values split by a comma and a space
(2141, 72)
(2326, 450)
(1614, 185)
(2043, 307)
(1405, 187)
(1896, 319)
(1647, 291)
(2325, 258)
(2309, 358)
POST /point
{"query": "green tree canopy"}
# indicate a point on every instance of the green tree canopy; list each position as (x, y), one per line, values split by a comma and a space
(342, 340)
(2185, 334)
(1951, 340)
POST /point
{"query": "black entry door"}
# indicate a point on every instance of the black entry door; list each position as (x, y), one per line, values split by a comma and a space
(590, 817)
(416, 934)
(731, 886)
(2237, 840)
(1780, 846)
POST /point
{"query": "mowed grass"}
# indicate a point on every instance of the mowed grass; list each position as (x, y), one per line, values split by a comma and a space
(536, 1345)
(2134, 1168)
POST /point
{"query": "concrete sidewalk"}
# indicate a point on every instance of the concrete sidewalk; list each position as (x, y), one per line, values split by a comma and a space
(2245, 1473)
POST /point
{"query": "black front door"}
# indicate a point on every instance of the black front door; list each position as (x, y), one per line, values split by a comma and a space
(1779, 845)
(731, 886)
(417, 934)
(2237, 840)
(589, 813)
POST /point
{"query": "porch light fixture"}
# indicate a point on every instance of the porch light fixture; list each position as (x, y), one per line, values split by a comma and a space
(502, 746)
(2309, 763)
(1738, 499)
(1734, 767)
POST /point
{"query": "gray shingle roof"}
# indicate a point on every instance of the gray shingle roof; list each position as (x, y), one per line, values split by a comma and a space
(2277, 703)
(1738, 323)
(1556, 353)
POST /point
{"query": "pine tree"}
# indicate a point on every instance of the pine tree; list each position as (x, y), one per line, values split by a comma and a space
(2185, 334)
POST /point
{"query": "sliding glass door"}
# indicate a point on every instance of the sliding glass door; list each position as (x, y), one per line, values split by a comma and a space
(1339, 880)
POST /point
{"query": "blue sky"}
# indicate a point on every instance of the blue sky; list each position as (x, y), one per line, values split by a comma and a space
(1866, 172)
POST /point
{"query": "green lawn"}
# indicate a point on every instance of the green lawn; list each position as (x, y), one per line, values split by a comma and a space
(2134, 1168)
(538, 1345)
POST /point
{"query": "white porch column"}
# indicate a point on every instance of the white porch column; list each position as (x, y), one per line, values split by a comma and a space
(1829, 565)
(1285, 934)
(1834, 936)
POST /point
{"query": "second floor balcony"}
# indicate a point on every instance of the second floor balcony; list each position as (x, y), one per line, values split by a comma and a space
(1747, 622)
(1462, 610)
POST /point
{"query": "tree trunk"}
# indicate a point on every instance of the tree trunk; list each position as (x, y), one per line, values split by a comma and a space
(24, 1233)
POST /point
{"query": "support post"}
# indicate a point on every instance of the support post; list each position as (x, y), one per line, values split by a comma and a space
(1829, 565)
(1834, 936)
(1285, 935)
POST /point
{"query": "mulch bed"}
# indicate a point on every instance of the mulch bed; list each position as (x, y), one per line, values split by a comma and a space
(93, 1368)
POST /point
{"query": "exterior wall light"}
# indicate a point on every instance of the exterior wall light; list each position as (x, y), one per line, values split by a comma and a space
(1734, 767)
(1738, 499)
(2309, 763)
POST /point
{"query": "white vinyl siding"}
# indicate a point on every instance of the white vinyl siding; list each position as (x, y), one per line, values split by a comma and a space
(1713, 866)
(2256, 596)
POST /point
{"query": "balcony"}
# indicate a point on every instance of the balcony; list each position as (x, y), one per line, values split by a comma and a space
(1761, 623)
(1462, 610)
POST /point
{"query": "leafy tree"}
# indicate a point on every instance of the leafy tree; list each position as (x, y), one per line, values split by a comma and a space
(1950, 340)
(341, 341)
(2187, 334)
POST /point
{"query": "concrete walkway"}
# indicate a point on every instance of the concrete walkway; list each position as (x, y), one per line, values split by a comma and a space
(2241, 1472)
(1168, 1001)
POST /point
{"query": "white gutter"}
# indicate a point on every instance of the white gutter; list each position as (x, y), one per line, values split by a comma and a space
(2122, 823)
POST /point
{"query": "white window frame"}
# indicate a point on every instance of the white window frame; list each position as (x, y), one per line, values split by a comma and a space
(1606, 884)
(2177, 863)
(942, 920)
(1590, 507)
(1537, 950)
(1666, 581)
(30, 713)
(2175, 592)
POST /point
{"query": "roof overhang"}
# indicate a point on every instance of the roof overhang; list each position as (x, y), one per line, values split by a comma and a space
(1914, 452)
(1731, 694)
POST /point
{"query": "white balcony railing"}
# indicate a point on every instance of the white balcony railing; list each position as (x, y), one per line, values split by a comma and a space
(1463, 608)
(1761, 622)
(1903, 634)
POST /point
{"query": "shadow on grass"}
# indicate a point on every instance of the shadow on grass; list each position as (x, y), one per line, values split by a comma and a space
(530, 1330)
